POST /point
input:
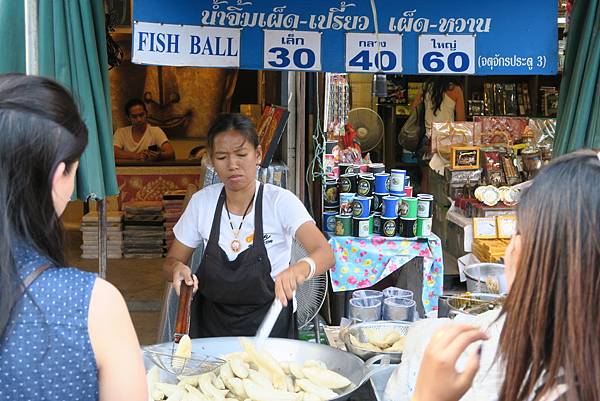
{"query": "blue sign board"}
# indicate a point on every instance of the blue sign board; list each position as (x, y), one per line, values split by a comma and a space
(507, 37)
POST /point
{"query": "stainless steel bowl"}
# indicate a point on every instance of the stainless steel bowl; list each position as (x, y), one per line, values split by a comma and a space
(284, 350)
(386, 326)
(477, 273)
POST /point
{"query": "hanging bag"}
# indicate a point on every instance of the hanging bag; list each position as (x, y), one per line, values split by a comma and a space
(413, 130)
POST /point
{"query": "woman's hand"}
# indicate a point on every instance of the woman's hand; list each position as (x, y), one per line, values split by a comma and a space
(288, 280)
(438, 379)
(181, 273)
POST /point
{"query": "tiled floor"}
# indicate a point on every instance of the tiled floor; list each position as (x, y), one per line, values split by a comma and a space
(139, 280)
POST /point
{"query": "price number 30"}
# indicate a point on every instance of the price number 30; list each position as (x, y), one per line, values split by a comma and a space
(292, 50)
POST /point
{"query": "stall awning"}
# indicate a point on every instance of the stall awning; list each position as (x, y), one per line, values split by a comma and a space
(579, 103)
(72, 50)
(510, 37)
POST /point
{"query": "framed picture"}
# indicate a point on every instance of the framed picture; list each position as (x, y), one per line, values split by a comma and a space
(465, 157)
(485, 228)
(507, 226)
(273, 122)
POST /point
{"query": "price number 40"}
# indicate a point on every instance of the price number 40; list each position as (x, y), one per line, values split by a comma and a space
(363, 60)
(455, 61)
(302, 58)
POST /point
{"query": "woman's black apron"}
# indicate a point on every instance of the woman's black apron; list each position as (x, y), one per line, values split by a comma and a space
(234, 296)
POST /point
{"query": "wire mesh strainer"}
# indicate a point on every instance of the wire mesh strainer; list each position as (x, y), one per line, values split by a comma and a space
(164, 355)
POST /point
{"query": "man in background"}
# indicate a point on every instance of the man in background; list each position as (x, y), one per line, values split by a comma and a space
(140, 140)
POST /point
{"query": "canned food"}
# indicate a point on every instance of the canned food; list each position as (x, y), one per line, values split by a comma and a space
(363, 227)
(382, 183)
(343, 225)
(361, 206)
(408, 208)
(407, 228)
(329, 221)
(389, 227)
(330, 195)
(424, 227)
(348, 182)
(366, 185)
(390, 207)
(424, 205)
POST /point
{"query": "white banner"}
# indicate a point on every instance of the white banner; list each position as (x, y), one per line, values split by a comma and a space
(447, 54)
(369, 52)
(185, 45)
(292, 50)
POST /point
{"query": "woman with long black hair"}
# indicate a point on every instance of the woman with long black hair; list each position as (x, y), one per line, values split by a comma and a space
(64, 334)
(443, 101)
(548, 348)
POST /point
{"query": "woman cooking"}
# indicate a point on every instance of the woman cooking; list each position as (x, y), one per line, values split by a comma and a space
(247, 230)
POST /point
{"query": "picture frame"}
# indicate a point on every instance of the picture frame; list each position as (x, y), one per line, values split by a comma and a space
(506, 226)
(465, 157)
(485, 228)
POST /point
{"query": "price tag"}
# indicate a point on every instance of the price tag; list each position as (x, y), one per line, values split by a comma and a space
(368, 52)
(292, 50)
(447, 54)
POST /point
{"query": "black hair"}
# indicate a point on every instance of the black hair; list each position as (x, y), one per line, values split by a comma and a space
(133, 102)
(233, 122)
(40, 127)
(436, 87)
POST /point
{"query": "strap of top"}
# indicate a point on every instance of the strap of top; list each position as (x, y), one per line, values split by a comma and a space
(258, 216)
(216, 225)
(26, 283)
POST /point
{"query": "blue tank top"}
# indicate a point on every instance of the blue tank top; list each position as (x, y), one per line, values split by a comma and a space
(46, 352)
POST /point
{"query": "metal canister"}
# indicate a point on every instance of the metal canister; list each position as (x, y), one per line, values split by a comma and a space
(389, 227)
(362, 227)
(329, 220)
(397, 178)
(377, 223)
(366, 184)
(377, 204)
(408, 208)
(390, 207)
(361, 206)
(376, 168)
(347, 168)
(348, 182)
(346, 200)
(343, 225)
(330, 195)
(407, 228)
(424, 227)
(425, 205)
(382, 183)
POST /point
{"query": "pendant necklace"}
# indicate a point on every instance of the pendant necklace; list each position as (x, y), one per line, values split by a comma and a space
(235, 244)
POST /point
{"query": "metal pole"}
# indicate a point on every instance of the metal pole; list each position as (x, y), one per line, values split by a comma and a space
(102, 250)
(32, 66)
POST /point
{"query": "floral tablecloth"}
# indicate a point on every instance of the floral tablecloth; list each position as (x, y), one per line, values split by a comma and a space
(363, 262)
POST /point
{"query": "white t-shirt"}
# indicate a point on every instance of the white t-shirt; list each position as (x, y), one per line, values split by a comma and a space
(282, 211)
(123, 139)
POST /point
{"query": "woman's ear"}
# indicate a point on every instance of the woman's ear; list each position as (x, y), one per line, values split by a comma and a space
(58, 173)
